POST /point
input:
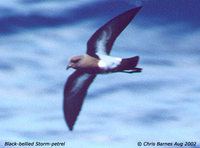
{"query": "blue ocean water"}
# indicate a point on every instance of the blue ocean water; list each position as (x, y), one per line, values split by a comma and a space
(161, 104)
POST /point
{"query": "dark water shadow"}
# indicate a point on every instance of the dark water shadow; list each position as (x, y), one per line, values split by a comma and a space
(35, 135)
(5, 66)
(49, 118)
(52, 88)
(6, 10)
(158, 62)
(5, 113)
(29, 63)
(102, 11)
(133, 87)
(96, 10)
(182, 101)
(30, 2)
(157, 116)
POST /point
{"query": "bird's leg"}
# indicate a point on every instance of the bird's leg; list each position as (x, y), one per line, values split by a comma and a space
(134, 70)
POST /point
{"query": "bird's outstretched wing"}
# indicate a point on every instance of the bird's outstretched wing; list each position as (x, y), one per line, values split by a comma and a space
(102, 40)
(74, 92)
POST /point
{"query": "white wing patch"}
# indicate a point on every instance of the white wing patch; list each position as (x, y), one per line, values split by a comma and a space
(108, 62)
(80, 81)
(101, 43)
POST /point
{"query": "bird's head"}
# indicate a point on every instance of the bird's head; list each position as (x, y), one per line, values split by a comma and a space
(74, 62)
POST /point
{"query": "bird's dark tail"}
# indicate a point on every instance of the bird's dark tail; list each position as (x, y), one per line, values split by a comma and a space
(128, 65)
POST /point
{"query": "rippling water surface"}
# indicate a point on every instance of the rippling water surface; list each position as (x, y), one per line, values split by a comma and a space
(161, 104)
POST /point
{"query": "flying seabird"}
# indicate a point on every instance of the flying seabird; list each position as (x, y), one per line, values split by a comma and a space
(96, 61)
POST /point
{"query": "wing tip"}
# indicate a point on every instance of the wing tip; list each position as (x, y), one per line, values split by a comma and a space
(70, 126)
(137, 8)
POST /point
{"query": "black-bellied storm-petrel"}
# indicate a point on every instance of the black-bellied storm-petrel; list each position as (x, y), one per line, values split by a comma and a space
(96, 61)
